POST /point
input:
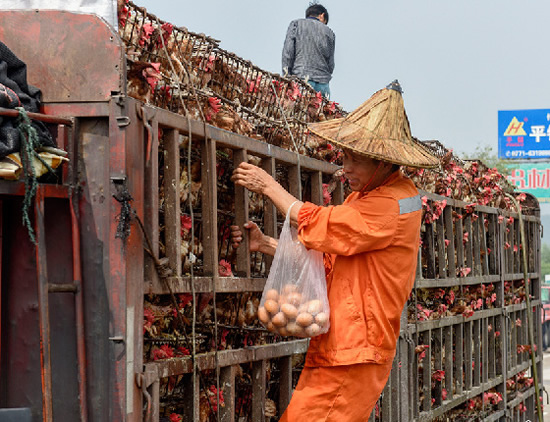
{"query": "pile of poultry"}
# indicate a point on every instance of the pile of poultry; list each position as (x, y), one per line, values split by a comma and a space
(190, 74)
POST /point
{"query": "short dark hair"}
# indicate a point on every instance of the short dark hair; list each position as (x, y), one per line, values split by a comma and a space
(315, 9)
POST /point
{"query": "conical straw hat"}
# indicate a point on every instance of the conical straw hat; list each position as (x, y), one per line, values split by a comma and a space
(379, 129)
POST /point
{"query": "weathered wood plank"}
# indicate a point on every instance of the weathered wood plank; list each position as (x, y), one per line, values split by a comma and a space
(441, 255)
(259, 369)
(468, 355)
(172, 220)
(477, 352)
(459, 359)
(241, 217)
(285, 383)
(449, 235)
(437, 364)
(209, 207)
(449, 364)
(270, 211)
(227, 384)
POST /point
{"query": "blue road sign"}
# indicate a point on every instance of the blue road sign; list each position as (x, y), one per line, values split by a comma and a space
(524, 134)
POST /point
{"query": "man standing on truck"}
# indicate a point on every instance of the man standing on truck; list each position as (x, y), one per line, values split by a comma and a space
(308, 51)
(370, 245)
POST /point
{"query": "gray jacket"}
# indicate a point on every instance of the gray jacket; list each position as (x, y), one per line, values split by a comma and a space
(308, 50)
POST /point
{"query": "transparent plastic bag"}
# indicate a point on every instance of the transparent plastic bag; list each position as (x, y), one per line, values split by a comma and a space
(294, 301)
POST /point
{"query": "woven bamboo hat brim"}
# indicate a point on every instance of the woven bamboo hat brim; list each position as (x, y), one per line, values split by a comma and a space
(378, 128)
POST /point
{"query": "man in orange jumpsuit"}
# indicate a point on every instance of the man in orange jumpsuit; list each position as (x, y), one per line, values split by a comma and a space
(370, 244)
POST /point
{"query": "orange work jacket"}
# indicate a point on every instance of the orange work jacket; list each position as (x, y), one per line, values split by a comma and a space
(371, 245)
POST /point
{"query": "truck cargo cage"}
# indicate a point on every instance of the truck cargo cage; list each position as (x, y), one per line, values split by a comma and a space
(148, 178)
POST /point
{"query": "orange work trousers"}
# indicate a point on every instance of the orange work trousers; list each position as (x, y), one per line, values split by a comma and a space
(337, 393)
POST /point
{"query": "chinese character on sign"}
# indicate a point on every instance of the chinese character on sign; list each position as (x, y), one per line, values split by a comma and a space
(537, 132)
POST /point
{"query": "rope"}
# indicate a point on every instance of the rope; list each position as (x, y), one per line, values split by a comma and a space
(284, 118)
(29, 143)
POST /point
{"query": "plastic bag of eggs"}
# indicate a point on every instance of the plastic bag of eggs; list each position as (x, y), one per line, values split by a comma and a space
(290, 312)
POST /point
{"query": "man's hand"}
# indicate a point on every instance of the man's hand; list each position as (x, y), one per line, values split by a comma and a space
(257, 241)
(252, 178)
(255, 236)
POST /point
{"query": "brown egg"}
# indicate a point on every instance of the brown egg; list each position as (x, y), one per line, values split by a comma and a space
(294, 329)
(321, 318)
(263, 315)
(283, 331)
(279, 320)
(271, 306)
(302, 308)
(294, 298)
(314, 306)
(313, 330)
(272, 294)
(289, 288)
(270, 327)
(289, 310)
(304, 319)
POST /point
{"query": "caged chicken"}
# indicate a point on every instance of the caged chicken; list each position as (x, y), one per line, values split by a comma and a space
(142, 80)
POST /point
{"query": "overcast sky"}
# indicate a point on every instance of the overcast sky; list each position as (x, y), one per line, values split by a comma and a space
(458, 62)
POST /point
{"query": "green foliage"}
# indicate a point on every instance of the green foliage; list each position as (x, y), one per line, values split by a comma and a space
(490, 158)
(545, 260)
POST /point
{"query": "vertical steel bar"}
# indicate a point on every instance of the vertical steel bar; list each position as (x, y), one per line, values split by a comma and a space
(119, 398)
(151, 205)
(43, 308)
(64, 144)
(79, 314)
(172, 210)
